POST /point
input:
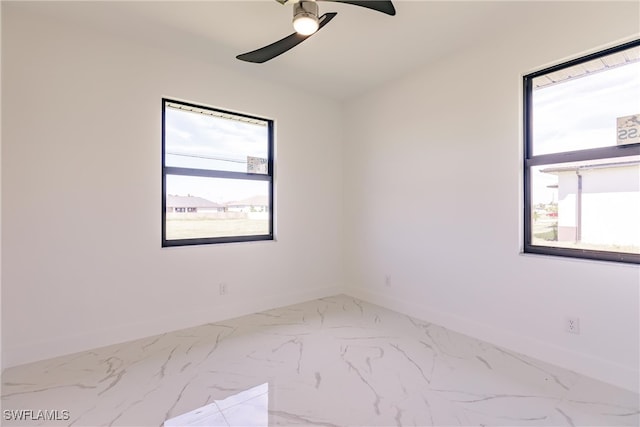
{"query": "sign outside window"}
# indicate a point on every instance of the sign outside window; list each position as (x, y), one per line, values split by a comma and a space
(628, 129)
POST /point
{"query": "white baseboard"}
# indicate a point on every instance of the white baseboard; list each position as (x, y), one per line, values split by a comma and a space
(65, 345)
(602, 370)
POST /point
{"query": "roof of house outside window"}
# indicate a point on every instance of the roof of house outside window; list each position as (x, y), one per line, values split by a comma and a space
(608, 62)
(251, 201)
(190, 202)
(581, 167)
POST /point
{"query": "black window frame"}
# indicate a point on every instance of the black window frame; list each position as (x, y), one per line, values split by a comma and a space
(208, 173)
(530, 161)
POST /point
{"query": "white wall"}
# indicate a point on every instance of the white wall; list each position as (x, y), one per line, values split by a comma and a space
(433, 199)
(81, 200)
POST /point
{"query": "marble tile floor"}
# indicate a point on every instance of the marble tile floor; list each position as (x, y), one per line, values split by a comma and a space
(330, 362)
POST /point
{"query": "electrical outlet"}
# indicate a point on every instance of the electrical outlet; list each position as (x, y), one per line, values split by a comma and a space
(572, 325)
(387, 280)
(223, 289)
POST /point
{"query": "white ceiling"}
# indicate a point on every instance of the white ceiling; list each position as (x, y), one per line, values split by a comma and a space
(357, 51)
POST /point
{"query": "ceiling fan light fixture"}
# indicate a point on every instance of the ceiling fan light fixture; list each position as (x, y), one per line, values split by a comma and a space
(305, 17)
(307, 22)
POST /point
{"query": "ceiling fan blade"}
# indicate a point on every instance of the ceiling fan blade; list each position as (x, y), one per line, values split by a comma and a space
(281, 46)
(384, 6)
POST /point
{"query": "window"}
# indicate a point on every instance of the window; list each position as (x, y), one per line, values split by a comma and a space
(582, 157)
(217, 176)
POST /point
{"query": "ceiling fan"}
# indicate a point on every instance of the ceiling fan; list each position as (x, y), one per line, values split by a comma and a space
(306, 22)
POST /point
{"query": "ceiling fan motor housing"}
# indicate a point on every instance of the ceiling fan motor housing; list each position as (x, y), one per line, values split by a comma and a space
(307, 9)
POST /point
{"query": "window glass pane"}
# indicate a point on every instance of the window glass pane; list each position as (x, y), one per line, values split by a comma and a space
(200, 207)
(206, 139)
(591, 205)
(589, 105)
